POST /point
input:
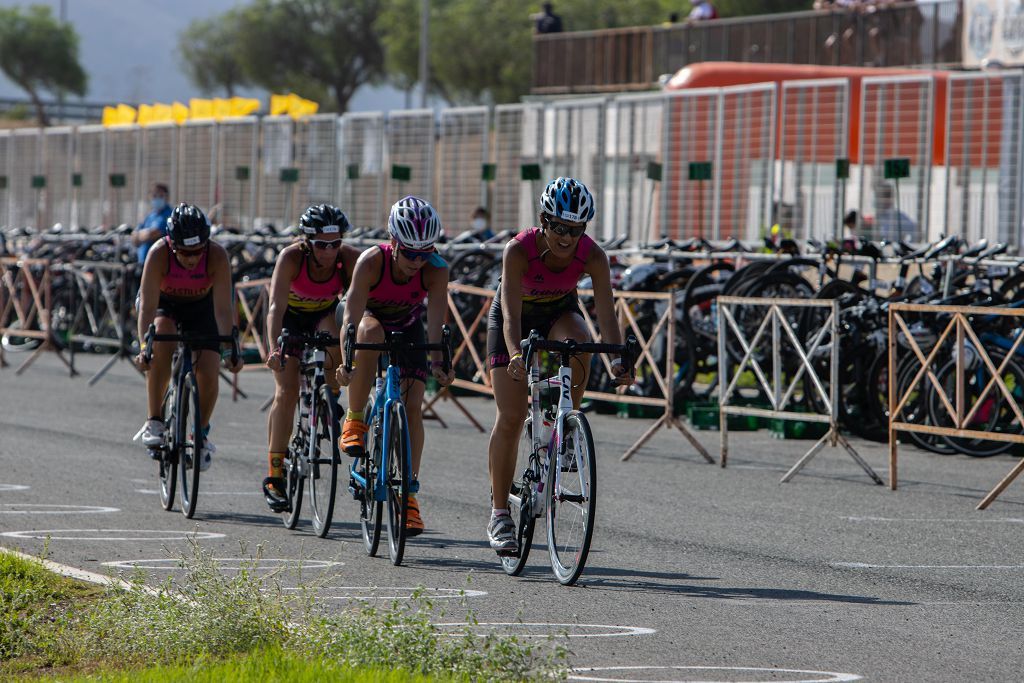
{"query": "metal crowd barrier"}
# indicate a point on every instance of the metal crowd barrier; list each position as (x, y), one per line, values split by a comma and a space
(957, 411)
(27, 292)
(103, 299)
(470, 321)
(780, 390)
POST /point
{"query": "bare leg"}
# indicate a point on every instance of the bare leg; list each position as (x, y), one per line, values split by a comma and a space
(571, 326)
(207, 376)
(371, 332)
(412, 396)
(510, 399)
(160, 368)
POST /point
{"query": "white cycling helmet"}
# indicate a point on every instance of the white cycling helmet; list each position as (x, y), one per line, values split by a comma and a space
(413, 223)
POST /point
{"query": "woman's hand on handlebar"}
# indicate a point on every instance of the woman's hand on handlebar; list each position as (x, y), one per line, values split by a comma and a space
(142, 361)
(275, 360)
(623, 375)
(443, 378)
(343, 375)
(516, 367)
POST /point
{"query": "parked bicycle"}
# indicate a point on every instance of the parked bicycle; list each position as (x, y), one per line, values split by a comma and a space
(384, 474)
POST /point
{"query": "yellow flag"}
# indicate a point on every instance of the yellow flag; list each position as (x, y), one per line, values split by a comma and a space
(161, 113)
(145, 115)
(109, 116)
(221, 108)
(243, 106)
(125, 115)
(279, 104)
(200, 108)
(179, 112)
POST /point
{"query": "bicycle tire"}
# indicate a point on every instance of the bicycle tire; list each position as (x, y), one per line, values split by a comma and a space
(188, 449)
(568, 561)
(522, 507)
(323, 470)
(397, 477)
(370, 508)
(294, 482)
(168, 463)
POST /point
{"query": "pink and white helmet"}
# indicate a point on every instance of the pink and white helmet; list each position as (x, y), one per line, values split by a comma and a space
(414, 223)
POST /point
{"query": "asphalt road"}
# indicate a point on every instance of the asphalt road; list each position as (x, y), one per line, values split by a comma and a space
(697, 573)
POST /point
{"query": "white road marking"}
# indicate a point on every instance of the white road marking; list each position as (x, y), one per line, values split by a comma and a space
(52, 509)
(153, 492)
(864, 565)
(580, 674)
(64, 535)
(170, 563)
(552, 629)
(937, 520)
(13, 487)
(393, 593)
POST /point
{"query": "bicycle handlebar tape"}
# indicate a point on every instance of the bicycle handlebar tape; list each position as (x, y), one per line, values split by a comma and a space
(350, 337)
(147, 349)
(446, 348)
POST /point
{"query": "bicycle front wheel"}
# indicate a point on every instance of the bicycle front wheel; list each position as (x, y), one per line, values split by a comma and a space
(521, 503)
(168, 453)
(570, 500)
(323, 475)
(188, 432)
(370, 508)
(397, 477)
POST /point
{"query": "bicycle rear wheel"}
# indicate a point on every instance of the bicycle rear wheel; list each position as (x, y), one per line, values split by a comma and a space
(370, 508)
(323, 475)
(571, 499)
(397, 477)
(189, 443)
(522, 503)
(168, 454)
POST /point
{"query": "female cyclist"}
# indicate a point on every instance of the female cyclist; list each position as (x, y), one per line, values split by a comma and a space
(539, 272)
(389, 285)
(186, 283)
(309, 278)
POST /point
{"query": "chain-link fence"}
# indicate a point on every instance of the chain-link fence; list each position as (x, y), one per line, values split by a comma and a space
(90, 145)
(362, 168)
(159, 162)
(410, 155)
(197, 164)
(237, 156)
(635, 165)
(574, 145)
(28, 184)
(121, 174)
(463, 173)
(58, 159)
(518, 158)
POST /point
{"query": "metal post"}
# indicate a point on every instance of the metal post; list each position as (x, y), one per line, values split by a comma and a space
(424, 44)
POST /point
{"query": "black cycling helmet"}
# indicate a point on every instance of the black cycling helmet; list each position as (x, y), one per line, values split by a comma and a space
(324, 218)
(187, 226)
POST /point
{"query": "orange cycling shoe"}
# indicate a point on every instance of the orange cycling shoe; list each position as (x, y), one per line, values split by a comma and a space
(353, 438)
(413, 521)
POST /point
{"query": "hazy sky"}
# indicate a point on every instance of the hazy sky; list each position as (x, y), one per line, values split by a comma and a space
(128, 49)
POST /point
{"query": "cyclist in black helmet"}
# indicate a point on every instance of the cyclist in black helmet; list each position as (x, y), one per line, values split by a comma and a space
(310, 277)
(186, 283)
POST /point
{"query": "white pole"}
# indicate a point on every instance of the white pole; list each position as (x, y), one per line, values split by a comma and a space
(424, 43)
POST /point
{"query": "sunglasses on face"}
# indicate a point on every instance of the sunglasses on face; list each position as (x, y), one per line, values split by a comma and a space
(326, 244)
(561, 229)
(415, 255)
(189, 253)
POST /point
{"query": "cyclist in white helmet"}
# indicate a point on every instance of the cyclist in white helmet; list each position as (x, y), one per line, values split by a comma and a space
(389, 286)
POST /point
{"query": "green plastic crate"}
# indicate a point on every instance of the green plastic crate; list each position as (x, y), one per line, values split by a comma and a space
(797, 429)
(705, 416)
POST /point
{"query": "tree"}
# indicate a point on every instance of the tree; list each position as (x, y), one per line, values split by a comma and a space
(323, 50)
(38, 53)
(210, 54)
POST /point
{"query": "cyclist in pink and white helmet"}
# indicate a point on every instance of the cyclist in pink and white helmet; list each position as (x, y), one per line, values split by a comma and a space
(391, 286)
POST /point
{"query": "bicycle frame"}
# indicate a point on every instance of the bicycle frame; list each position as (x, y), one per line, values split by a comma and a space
(388, 392)
(556, 442)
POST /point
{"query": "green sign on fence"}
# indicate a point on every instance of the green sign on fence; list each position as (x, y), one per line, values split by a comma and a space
(117, 180)
(700, 170)
(3, 182)
(529, 172)
(399, 172)
(488, 172)
(76, 180)
(897, 168)
(653, 171)
(289, 175)
(842, 169)
(352, 170)
(241, 172)
(38, 182)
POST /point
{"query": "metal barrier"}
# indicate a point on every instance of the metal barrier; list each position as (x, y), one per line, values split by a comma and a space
(121, 175)
(465, 133)
(637, 147)
(58, 162)
(781, 390)
(29, 296)
(470, 356)
(961, 411)
(518, 146)
(237, 163)
(363, 173)
(316, 150)
(26, 160)
(197, 163)
(89, 210)
(410, 155)
(160, 159)
(102, 298)
(574, 146)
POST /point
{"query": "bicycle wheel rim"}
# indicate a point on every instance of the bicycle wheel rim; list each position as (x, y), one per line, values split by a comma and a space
(293, 484)
(189, 417)
(397, 484)
(521, 504)
(571, 503)
(370, 508)
(168, 472)
(997, 409)
(323, 475)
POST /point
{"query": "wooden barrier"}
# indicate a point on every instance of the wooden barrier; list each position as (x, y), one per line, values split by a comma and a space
(27, 293)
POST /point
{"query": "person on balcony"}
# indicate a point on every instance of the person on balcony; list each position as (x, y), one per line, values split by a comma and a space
(548, 21)
(702, 10)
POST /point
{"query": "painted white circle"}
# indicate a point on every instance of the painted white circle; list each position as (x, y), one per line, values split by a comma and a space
(269, 563)
(694, 674)
(543, 630)
(392, 593)
(13, 487)
(153, 492)
(865, 565)
(112, 535)
(938, 520)
(52, 509)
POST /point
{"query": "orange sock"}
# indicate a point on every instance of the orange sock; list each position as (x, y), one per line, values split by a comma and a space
(276, 465)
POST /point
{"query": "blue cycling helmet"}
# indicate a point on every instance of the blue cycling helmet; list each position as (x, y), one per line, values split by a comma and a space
(568, 199)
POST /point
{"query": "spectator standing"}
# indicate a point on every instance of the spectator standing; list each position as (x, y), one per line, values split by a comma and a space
(549, 22)
(154, 225)
(481, 224)
(890, 224)
(702, 10)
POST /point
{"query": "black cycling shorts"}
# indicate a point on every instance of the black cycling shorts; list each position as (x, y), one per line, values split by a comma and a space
(412, 364)
(540, 319)
(302, 322)
(193, 317)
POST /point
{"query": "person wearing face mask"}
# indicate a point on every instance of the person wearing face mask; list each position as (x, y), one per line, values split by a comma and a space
(309, 278)
(154, 225)
(390, 284)
(540, 270)
(481, 224)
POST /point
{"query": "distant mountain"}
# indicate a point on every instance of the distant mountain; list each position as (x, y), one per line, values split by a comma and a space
(128, 48)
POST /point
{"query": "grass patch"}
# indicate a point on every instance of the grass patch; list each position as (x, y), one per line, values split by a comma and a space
(191, 628)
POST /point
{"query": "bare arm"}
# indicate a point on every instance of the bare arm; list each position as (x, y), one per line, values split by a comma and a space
(365, 275)
(149, 291)
(285, 272)
(514, 264)
(223, 291)
(600, 276)
(436, 280)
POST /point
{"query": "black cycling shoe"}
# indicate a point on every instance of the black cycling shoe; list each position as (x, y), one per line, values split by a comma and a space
(273, 493)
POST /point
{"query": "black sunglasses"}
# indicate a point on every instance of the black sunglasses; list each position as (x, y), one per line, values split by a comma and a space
(416, 255)
(561, 229)
(326, 244)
